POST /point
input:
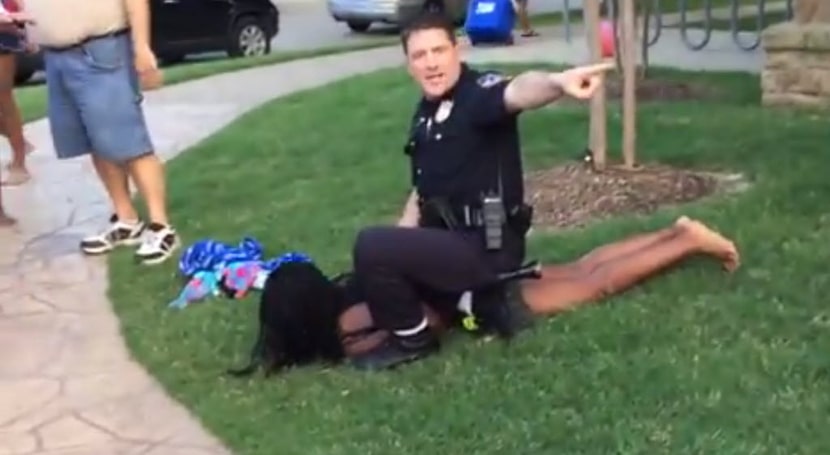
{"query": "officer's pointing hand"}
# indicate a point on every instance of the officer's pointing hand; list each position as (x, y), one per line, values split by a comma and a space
(16, 17)
(583, 81)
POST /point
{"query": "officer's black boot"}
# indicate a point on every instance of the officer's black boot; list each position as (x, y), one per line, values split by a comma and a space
(501, 310)
(397, 350)
(492, 311)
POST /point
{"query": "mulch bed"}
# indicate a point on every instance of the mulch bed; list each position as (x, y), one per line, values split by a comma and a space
(574, 194)
(652, 89)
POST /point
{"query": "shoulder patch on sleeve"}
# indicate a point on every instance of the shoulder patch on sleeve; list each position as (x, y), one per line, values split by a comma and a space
(490, 79)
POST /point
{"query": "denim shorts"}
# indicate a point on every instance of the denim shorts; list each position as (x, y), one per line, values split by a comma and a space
(10, 43)
(95, 100)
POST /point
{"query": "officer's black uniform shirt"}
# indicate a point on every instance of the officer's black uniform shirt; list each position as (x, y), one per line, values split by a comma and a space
(456, 157)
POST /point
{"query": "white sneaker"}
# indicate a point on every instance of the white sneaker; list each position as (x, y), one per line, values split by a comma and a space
(118, 233)
(158, 244)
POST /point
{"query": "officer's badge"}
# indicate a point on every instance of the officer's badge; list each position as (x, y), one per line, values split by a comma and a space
(490, 79)
(444, 111)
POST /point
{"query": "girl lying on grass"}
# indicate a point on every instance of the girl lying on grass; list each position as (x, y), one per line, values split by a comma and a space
(308, 317)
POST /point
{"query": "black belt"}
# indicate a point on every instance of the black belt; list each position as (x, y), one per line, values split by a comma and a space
(466, 216)
(440, 213)
(80, 43)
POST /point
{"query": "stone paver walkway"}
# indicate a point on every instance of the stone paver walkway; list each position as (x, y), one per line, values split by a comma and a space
(67, 383)
(68, 386)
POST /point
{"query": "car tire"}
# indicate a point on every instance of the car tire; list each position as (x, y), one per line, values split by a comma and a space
(23, 76)
(171, 59)
(440, 7)
(359, 26)
(249, 38)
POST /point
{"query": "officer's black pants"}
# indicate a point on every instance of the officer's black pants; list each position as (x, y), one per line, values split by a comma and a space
(393, 264)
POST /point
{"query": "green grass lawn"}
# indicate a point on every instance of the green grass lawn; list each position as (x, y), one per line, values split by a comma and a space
(32, 99)
(693, 362)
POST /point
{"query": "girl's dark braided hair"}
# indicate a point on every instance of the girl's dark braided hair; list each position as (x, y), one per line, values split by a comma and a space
(298, 314)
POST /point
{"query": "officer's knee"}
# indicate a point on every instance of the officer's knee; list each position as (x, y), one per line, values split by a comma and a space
(369, 249)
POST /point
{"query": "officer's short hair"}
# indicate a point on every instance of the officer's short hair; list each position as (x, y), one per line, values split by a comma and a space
(427, 21)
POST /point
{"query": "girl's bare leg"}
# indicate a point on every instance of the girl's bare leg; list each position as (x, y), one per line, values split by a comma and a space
(12, 123)
(29, 146)
(549, 296)
(628, 245)
(605, 253)
(5, 219)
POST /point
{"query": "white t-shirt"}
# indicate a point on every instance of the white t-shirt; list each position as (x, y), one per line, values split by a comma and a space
(97, 17)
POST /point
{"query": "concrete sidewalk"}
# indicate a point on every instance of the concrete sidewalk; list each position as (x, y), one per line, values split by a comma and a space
(67, 383)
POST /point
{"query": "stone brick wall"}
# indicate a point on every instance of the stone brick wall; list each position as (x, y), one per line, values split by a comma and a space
(797, 69)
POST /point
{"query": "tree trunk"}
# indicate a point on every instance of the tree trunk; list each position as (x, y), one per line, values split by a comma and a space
(630, 51)
(598, 129)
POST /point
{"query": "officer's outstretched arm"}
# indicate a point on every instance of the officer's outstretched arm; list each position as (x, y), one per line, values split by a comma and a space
(531, 90)
(535, 89)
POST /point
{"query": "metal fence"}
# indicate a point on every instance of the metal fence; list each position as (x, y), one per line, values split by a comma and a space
(695, 20)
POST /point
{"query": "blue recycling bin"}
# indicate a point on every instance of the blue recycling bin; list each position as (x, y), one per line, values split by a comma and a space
(490, 21)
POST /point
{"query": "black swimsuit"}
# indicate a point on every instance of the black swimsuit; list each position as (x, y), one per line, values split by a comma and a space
(352, 297)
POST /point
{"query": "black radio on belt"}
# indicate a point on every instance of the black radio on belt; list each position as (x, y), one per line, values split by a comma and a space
(493, 213)
(494, 217)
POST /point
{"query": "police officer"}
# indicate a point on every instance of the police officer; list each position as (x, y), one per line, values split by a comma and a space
(465, 220)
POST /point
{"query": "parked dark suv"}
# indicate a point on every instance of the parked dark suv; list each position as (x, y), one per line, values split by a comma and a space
(182, 27)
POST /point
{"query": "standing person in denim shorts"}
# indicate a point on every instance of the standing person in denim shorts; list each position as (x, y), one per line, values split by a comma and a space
(98, 58)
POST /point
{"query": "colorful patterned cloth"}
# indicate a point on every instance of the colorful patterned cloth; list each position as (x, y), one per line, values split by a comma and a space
(213, 268)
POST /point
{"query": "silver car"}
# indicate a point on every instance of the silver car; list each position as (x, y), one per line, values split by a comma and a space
(360, 14)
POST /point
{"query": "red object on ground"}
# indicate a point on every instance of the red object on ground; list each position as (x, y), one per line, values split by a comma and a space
(11, 5)
(606, 38)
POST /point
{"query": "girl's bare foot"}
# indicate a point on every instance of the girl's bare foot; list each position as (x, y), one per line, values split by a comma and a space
(712, 242)
(6, 221)
(16, 175)
(683, 221)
